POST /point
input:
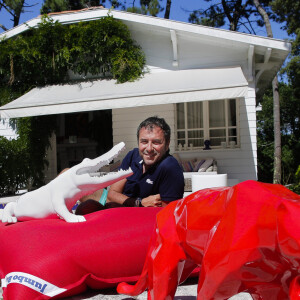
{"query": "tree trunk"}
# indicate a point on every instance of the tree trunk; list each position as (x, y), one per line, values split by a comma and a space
(265, 17)
(168, 9)
(276, 103)
(232, 15)
(277, 133)
(17, 12)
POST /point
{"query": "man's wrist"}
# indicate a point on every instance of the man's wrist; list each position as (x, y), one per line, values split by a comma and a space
(133, 202)
(138, 202)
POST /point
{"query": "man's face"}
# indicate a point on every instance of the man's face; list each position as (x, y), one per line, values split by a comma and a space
(152, 145)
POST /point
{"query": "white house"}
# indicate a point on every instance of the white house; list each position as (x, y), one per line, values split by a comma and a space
(204, 81)
(6, 130)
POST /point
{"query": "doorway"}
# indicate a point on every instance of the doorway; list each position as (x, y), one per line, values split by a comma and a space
(81, 135)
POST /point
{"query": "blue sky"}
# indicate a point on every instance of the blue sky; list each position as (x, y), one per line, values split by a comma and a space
(180, 10)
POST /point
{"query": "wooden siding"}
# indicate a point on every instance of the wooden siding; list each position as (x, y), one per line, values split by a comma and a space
(239, 163)
(126, 121)
(194, 51)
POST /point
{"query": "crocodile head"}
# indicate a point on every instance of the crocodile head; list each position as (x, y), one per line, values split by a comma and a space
(86, 174)
(91, 166)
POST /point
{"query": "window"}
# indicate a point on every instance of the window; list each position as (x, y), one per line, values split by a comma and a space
(214, 120)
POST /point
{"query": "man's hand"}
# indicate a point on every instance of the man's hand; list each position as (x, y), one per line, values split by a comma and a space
(153, 200)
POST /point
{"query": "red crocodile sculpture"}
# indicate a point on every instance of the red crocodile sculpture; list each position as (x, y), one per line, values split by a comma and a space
(244, 238)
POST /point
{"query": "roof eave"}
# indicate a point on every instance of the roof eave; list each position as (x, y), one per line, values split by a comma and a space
(96, 13)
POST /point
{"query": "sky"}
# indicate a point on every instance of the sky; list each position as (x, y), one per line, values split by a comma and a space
(180, 11)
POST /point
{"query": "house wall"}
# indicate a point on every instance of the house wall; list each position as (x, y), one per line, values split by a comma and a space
(126, 121)
(6, 130)
(194, 51)
(239, 163)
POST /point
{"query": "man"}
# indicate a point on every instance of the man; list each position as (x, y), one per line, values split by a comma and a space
(157, 177)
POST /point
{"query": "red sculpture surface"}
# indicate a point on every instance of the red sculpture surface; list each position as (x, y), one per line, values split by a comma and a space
(244, 238)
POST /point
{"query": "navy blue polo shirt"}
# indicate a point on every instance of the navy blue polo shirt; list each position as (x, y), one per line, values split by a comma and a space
(164, 178)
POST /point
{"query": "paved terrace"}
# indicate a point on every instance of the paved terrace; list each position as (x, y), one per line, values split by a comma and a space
(186, 291)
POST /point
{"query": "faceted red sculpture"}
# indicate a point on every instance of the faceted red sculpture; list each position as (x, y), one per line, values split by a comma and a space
(244, 238)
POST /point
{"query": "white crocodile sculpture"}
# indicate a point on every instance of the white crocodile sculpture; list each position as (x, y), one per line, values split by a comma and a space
(60, 195)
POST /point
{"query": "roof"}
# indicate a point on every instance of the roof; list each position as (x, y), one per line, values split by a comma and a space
(95, 13)
(265, 55)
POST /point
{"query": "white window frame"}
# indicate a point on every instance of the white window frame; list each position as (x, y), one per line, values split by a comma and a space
(206, 129)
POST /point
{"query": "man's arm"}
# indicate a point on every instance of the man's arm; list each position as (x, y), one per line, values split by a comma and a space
(94, 196)
(153, 200)
(115, 194)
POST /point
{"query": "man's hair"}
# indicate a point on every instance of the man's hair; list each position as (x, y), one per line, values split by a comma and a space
(155, 121)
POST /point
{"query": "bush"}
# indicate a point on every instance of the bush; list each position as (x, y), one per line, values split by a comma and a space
(14, 169)
(44, 55)
(296, 187)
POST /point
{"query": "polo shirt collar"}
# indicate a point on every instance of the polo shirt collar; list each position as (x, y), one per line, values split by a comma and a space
(139, 163)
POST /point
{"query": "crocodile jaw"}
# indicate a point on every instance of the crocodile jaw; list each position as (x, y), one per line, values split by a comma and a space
(93, 165)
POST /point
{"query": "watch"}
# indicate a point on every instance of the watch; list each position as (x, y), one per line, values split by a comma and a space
(138, 202)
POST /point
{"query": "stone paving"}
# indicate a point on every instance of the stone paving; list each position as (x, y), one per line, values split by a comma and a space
(186, 291)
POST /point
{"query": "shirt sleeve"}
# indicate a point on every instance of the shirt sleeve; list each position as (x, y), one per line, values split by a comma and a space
(171, 181)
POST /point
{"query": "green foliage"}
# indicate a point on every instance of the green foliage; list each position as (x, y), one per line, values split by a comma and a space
(147, 7)
(296, 187)
(14, 170)
(34, 58)
(238, 15)
(14, 8)
(136, 10)
(45, 55)
(63, 5)
(153, 7)
(7, 94)
(288, 12)
(290, 135)
(291, 93)
(22, 160)
(213, 17)
(265, 139)
(105, 46)
(113, 3)
(36, 132)
(54, 6)
(235, 14)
